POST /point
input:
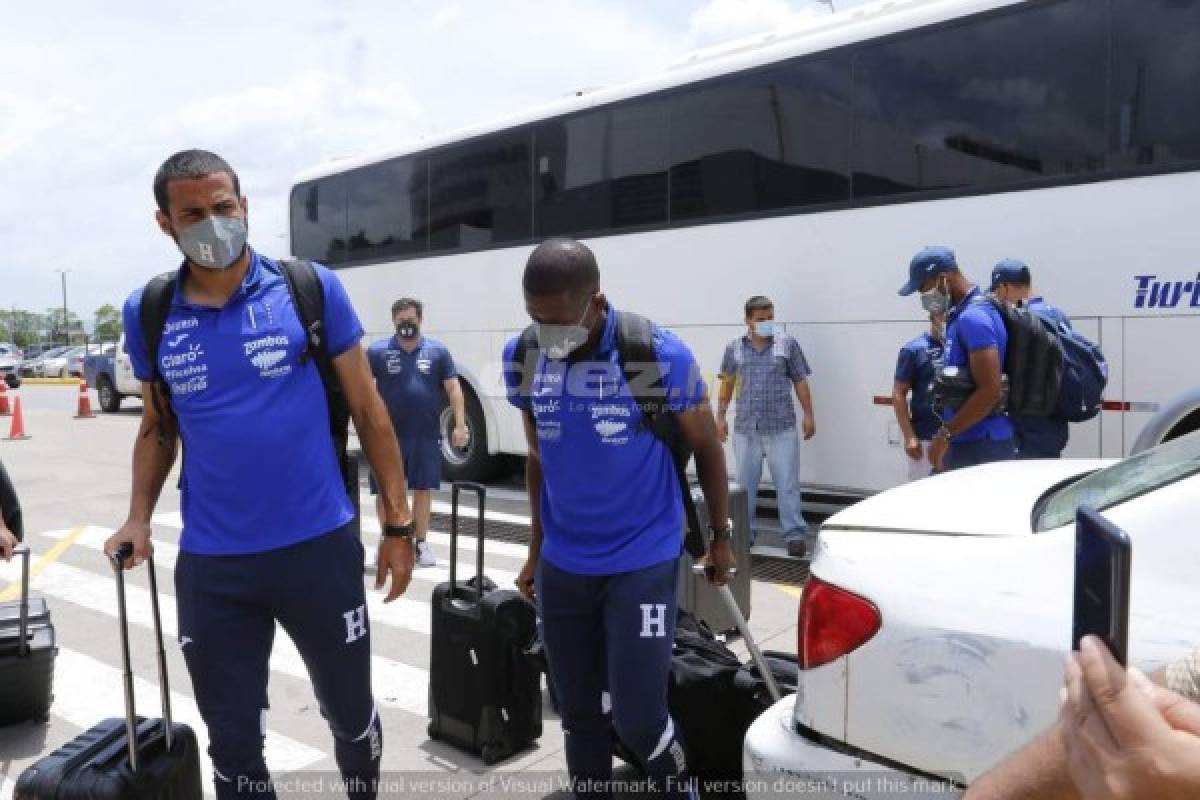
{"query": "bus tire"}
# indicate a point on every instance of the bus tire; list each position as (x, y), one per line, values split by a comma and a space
(474, 462)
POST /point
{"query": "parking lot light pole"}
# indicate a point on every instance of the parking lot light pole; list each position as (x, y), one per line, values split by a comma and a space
(66, 317)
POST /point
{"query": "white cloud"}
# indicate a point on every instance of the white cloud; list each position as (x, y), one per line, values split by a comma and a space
(721, 20)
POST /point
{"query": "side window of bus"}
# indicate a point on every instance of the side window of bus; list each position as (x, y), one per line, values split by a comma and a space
(1156, 67)
(480, 192)
(319, 220)
(388, 209)
(988, 102)
(771, 139)
(602, 170)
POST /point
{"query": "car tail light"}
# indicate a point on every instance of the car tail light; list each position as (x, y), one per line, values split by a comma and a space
(833, 622)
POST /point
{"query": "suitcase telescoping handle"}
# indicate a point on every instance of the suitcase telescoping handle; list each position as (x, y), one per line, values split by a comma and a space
(118, 560)
(23, 624)
(480, 495)
(763, 667)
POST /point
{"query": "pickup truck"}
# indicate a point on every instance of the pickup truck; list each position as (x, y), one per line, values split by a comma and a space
(112, 377)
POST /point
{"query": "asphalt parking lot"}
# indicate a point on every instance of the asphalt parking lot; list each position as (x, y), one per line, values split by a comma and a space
(73, 478)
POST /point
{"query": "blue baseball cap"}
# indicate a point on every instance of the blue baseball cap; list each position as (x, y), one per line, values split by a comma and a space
(930, 261)
(1010, 270)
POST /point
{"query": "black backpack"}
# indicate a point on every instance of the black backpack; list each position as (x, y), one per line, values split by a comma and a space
(1033, 362)
(308, 297)
(639, 365)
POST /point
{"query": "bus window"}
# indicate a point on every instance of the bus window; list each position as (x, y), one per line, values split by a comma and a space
(319, 220)
(602, 170)
(480, 193)
(983, 103)
(771, 139)
(387, 209)
(1156, 68)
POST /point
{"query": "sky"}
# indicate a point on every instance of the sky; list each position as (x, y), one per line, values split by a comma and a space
(94, 96)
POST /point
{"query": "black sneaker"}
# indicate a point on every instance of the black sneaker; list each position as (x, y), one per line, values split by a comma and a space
(797, 548)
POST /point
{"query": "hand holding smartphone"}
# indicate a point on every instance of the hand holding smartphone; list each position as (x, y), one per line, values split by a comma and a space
(1103, 558)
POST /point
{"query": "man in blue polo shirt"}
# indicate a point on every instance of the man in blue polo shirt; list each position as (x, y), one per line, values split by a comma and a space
(916, 364)
(607, 518)
(414, 373)
(1037, 437)
(267, 534)
(976, 341)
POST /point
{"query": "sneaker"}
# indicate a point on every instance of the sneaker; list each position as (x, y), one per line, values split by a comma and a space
(425, 557)
(371, 561)
(797, 548)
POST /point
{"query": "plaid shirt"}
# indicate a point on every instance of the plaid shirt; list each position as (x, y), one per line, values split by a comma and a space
(765, 383)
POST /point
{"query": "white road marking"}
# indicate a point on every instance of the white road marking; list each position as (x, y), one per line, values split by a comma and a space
(404, 613)
(395, 684)
(87, 691)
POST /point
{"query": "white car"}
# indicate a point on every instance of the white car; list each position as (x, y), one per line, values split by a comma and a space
(933, 632)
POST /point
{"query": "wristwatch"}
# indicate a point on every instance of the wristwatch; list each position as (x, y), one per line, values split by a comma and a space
(722, 534)
(398, 531)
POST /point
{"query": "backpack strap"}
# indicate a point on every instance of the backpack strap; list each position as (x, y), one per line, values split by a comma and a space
(308, 298)
(152, 316)
(643, 375)
(526, 349)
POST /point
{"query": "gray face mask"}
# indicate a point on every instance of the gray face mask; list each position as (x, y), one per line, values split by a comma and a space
(559, 341)
(215, 242)
(935, 301)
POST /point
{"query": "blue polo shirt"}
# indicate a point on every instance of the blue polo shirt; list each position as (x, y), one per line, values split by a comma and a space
(610, 500)
(411, 384)
(915, 367)
(974, 325)
(259, 470)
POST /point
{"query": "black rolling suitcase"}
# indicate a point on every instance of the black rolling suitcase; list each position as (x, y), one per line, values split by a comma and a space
(484, 691)
(27, 651)
(128, 758)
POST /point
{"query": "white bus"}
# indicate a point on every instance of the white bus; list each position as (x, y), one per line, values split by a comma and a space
(810, 167)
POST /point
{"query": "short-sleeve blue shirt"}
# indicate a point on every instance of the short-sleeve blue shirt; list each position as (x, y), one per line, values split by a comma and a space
(915, 366)
(973, 325)
(259, 470)
(610, 500)
(411, 384)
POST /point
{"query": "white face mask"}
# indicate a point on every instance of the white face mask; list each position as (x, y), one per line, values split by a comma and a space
(559, 341)
(935, 301)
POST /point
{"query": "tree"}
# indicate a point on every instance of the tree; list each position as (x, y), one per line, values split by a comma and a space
(108, 323)
(59, 331)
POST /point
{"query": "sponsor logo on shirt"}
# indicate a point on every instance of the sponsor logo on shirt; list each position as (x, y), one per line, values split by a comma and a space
(173, 343)
(394, 364)
(424, 365)
(609, 428)
(181, 325)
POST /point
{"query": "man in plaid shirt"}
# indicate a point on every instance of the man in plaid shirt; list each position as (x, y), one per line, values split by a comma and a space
(766, 366)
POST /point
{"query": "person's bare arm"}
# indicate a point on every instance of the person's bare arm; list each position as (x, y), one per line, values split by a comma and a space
(912, 445)
(153, 456)
(804, 395)
(725, 386)
(533, 487)
(699, 430)
(454, 394)
(986, 372)
(1038, 771)
(374, 426)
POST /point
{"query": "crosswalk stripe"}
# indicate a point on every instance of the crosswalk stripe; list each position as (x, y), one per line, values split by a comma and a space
(404, 613)
(395, 684)
(87, 691)
(166, 553)
(370, 525)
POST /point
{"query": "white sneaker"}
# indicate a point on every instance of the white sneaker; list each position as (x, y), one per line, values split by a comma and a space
(425, 557)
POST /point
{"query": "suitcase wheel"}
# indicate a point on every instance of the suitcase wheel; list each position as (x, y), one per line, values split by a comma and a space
(492, 754)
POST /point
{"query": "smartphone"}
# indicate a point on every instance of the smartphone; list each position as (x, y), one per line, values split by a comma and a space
(1103, 556)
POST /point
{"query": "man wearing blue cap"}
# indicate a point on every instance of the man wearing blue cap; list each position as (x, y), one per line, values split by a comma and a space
(1037, 437)
(977, 341)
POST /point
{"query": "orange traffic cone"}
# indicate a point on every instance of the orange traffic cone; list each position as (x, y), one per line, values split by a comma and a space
(4, 409)
(17, 431)
(84, 411)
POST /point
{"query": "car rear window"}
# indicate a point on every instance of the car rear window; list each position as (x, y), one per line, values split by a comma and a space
(1135, 476)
